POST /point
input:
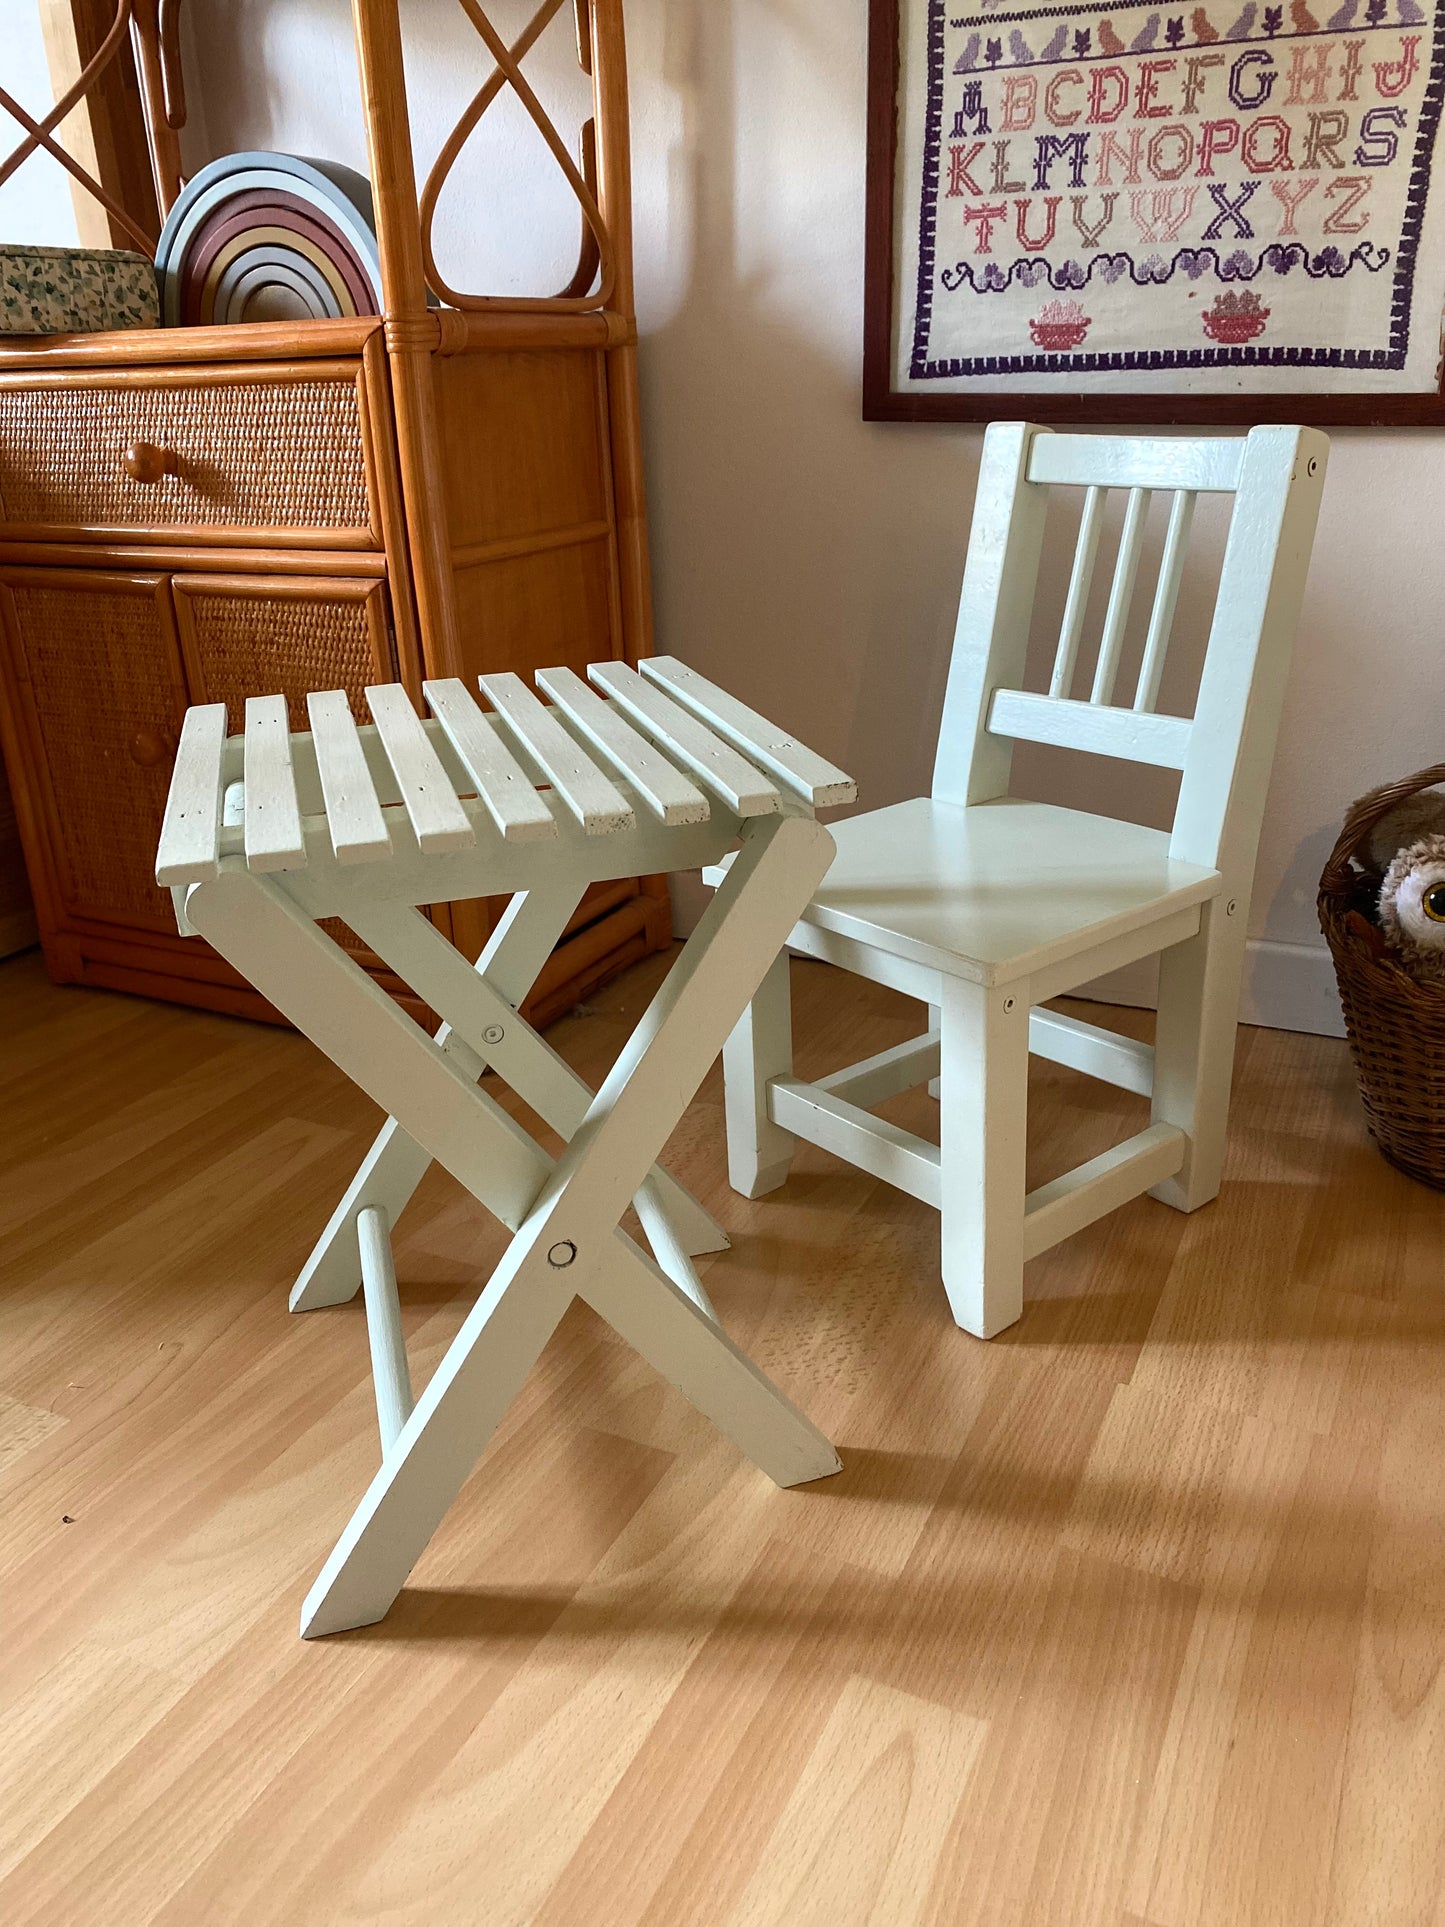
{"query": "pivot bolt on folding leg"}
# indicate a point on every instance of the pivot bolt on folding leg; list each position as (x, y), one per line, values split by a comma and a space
(268, 833)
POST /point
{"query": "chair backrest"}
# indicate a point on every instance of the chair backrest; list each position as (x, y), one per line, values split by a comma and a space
(1276, 476)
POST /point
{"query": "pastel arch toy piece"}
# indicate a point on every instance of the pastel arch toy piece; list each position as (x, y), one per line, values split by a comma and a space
(269, 237)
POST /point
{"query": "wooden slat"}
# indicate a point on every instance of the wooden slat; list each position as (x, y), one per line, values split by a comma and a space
(390, 1373)
(273, 836)
(901, 1068)
(1065, 1206)
(665, 790)
(745, 790)
(1121, 1061)
(1121, 595)
(511, 797)
(886, 1150)
(1138, 738)
(190, 841)
(1166, 599)
(437, 817)
(353, 812)
(796, 767)
(1081, 579)
(596, 802)
(1209, 464)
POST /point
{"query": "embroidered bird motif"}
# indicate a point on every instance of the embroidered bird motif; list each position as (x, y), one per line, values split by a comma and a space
(1243, 27)
(1054, 49)
(1303, 19)
(1203, 32)
(1109, 41)
(1337, 22)
(1020, 49)
(1146, 37)
(968, 59)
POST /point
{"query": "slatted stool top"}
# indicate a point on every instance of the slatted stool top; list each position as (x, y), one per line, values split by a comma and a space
(663, 747)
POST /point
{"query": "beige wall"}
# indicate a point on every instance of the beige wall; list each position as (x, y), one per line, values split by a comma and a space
(804, 556)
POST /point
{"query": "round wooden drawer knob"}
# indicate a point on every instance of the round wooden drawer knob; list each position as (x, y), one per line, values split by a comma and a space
(148, 747)
(144, 462)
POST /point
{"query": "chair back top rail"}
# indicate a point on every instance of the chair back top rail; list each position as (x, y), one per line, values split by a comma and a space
(581, 765)
(1275, 474)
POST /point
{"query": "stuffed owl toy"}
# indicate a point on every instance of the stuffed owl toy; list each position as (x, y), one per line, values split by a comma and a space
(1408, 846)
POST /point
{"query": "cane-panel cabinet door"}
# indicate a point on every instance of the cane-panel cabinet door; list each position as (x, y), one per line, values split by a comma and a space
(100, 694)
(282, 635)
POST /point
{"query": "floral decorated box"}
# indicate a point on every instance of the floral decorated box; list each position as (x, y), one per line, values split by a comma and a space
(75, 291)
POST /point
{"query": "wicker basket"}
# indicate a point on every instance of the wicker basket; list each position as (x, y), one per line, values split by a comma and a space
(1396, 1025)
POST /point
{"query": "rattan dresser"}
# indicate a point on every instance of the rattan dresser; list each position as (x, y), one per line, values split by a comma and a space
(191, 515)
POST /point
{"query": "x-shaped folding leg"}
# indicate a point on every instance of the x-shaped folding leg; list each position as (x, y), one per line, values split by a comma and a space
(565, 1214)
(395, 1165)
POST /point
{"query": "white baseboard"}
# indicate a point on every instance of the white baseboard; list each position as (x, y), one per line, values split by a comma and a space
(1287, 986)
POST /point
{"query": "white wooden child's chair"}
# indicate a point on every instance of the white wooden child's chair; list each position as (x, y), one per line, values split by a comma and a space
(984, 906)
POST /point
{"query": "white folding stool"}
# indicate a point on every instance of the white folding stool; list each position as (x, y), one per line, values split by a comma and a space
(984, 906)
(266, 834)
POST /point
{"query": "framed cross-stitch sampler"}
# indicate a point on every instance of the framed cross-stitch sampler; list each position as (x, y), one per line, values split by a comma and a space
(1120, 210)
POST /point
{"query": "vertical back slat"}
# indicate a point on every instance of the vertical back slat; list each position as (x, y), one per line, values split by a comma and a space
(1121, 595)
(273, 838)
(1166, 598)
(1081, 580)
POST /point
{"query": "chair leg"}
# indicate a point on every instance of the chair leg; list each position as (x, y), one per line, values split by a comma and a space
(984, 1078)
(1194, 1049)
(760, 1152)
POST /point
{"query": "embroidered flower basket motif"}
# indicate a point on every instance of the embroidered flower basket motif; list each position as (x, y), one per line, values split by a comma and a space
(1235, 318)
(1060, 325)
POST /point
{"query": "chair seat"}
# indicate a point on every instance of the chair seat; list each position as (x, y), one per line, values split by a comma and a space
(998, 890)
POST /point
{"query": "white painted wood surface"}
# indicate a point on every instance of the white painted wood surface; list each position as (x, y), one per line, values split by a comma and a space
(1081, 580)
(723, 771)
(1129, 734)
(596, 802)
(437, 817)
(821, 784)
(390, 1373)
(504, 786)
(1166, 599)
(985, 907)
(1121, 596)
(273, 839)
(353, 815)
(670, 795)
(374, 870)
(190, 844)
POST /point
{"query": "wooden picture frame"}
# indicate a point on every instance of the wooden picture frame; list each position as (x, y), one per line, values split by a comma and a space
(885, 400)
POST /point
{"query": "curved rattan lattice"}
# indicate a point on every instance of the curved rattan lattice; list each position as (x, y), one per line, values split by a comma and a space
(596, 261)
(41, 133)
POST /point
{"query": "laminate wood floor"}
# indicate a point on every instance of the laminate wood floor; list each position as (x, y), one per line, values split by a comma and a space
(1134, 1616)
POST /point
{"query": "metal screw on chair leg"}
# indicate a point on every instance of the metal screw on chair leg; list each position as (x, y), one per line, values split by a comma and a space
(493, 1034)
(562, 1254)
